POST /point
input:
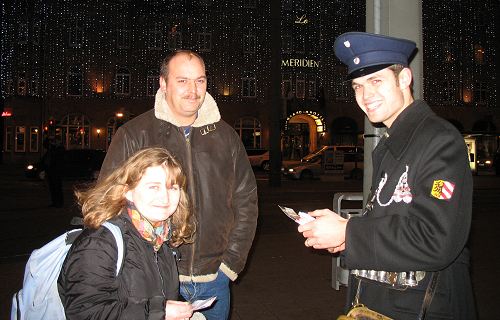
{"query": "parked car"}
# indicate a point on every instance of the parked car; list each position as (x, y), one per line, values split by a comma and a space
(259, 158)
(311, 166)
(78, 163)
(485, 162)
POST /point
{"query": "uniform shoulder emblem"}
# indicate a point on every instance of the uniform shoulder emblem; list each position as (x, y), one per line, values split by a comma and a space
(442, 189)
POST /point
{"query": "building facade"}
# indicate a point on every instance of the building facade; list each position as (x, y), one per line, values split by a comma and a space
(75, 71)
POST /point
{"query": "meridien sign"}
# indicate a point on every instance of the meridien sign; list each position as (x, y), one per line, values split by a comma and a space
(304, 63)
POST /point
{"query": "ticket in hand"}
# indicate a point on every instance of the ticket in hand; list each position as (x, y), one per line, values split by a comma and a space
(202, 304)
(300, 218)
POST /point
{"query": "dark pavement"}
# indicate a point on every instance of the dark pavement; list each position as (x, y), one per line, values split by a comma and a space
(283, 279)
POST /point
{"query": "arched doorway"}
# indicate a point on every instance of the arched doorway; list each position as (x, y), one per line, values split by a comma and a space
(303, 130)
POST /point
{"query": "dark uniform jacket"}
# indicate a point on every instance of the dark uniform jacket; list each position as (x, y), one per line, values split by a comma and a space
(221, 184)
(90, 289)
(420, 220)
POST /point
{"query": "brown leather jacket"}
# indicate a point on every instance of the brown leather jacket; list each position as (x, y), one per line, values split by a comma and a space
(221, 184)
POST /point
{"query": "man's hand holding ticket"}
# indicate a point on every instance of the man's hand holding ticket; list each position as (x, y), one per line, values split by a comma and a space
(300, 218)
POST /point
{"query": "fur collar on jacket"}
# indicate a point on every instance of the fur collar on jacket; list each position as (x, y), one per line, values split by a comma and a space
(208, 113)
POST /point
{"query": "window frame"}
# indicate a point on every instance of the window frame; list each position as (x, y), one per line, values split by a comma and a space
(204, 41)
(155, 36)
(152, 83)
(123, 38)
(34, 133)
(249, 85)
(75, 37)
(20, 135)
(121, 79)
(240, 125)
(75, 78)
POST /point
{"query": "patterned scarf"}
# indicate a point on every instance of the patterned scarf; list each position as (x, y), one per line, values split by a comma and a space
(154, 232)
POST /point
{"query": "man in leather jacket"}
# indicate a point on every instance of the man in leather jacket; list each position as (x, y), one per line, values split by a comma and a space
(407, 253)
(221, 184)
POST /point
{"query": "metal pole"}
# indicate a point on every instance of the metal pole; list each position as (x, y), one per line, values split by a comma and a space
(275, 94)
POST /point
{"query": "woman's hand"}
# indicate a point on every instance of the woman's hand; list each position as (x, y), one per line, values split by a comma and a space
(178, 310)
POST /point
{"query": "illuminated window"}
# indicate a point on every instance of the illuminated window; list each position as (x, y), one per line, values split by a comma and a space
(9, 134)
(20, 144)
(311, 89)
(155, 37)
(205, 41)
(300, 86)
(449, 92)
(286, 85)
(249, 41)
(248, 85)
(73, 131)
(249, 130)
(480, 93)
(22, 35)
(342, 89)
(152, 83)
(76, 34)
(34, 139)
(122, 82)
(21, 84)
(9, 87)
(36, 33)
(123, 39)
(34, 87)
(75, 81)
(478, 54)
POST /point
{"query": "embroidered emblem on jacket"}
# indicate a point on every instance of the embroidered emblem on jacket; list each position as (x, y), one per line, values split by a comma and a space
(402, 192)
(442, 189)
(208, 128)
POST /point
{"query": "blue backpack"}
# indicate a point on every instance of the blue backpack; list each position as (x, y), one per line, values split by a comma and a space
(39, 298)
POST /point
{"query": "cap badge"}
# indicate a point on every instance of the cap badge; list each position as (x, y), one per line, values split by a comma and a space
(356, 60)
(347, 44)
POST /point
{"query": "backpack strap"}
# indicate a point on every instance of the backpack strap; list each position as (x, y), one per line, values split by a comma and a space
(117, 233)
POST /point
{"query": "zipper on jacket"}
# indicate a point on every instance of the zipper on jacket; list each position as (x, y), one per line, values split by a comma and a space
(193, 195)
(159, 273)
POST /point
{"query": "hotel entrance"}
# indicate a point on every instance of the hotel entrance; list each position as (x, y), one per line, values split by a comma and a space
(303, 134)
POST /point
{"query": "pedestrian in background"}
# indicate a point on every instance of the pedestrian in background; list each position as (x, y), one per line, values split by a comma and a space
(221, 184)
(146, 198)
(407, 253)
(53, 164)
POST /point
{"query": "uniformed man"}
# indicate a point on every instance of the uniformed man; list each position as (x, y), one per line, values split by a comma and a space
(407, 252)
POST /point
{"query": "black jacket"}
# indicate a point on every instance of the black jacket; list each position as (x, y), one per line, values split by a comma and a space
(89, 288)
(221, 184)
(427, 232)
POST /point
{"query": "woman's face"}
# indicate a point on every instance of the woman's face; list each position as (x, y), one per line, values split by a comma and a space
(153, 196)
